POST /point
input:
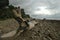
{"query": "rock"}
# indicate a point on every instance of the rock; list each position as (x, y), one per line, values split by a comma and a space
(4, 3)
(10, 34)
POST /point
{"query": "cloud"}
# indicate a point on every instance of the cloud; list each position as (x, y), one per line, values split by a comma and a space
(30, 5)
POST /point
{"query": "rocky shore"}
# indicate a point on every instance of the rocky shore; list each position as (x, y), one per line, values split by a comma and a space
(44, 30)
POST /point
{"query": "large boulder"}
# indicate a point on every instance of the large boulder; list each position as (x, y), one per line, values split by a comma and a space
(4, 3)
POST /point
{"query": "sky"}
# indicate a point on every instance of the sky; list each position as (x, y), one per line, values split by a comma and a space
(49, 9)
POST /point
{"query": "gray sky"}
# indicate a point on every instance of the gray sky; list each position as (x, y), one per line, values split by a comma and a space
(49, 9)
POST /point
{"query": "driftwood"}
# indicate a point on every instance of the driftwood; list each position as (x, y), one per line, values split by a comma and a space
(23, 26)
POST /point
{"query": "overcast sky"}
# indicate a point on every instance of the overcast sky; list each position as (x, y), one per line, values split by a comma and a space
(49, 9)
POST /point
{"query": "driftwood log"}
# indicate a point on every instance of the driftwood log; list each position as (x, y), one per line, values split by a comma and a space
(24, 25)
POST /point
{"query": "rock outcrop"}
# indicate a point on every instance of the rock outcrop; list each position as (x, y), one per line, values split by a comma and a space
(4, 3)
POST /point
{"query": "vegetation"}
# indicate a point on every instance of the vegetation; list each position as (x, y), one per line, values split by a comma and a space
(6, 13)
(11, 7)
(23, 14)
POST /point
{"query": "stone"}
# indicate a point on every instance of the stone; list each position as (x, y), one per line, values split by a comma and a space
(4, 3)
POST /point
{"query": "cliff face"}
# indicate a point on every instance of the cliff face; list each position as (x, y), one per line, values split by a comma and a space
(4, 3)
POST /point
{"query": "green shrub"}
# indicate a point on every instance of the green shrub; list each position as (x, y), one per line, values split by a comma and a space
(23, 14)
(6, 13)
